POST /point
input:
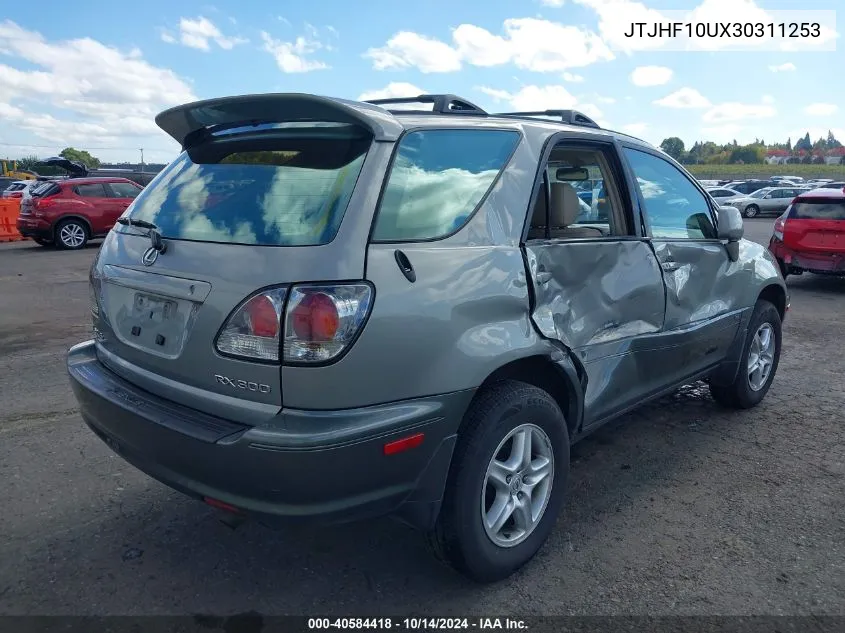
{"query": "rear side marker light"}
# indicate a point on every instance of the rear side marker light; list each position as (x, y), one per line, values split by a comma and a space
(221, 505)
(406, 443)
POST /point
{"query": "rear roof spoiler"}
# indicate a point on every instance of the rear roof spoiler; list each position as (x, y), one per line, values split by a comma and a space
(191, 122)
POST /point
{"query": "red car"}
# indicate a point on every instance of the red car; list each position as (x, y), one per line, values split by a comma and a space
(70, 212)
(810, 235)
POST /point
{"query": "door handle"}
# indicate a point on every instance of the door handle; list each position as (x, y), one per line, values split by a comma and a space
(670, 266)
(543, 277)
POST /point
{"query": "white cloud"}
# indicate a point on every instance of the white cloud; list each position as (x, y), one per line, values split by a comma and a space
(553, 3)
(728, 112)
(645, 76)
(573, 78)
(616, 18)
(167, 36)
(821, 109)
(393, 90)
(292, 57)
(684, 98)
(199, 32)
(407, 49)
(782, 68)
(528, 43)
(540, 98)
(635, 128)
(768, 99)
(722, 133)
(85, 82)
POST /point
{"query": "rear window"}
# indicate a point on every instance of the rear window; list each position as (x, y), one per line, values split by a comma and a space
(437, 180)
(45, 189)
(818, 210)
(286, 187)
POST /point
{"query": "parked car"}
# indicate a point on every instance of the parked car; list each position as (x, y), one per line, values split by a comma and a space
(750, 186)
(810, 235)
(6, 182)
(69, 212)
(838, 184)
(768, 201)
(17, 188)
(397, 312)
(720, 194)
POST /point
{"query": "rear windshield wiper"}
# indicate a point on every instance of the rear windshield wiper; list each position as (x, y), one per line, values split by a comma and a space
(141, 224)
(155, 237)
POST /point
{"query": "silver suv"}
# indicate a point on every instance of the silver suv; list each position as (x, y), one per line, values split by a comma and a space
(328, 310)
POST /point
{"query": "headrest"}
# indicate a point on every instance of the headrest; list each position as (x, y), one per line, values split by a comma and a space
(565, 205)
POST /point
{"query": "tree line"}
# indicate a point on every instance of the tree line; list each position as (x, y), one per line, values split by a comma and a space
(804, 151)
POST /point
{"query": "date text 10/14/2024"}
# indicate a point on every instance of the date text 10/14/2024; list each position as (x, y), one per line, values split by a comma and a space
(416, 624)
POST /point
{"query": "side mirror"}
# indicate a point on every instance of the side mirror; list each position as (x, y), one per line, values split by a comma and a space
(731, 229)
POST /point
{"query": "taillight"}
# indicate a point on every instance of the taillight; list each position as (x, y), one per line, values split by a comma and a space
(253, 329)
(320, 321)
(780, 226)
(323, 320)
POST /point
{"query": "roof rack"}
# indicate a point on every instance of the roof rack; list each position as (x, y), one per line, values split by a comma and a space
(571, 117)
(443, 104)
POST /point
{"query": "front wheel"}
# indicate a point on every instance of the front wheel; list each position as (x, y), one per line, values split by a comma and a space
(760, 358)
(751, 211)
(506, 484)
(71, 235)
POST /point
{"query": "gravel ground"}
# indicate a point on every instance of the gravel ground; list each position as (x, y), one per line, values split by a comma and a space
(679, 508)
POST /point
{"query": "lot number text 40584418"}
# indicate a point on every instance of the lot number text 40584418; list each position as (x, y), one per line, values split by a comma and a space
(417, 623)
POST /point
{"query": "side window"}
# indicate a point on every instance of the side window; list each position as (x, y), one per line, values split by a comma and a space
(437, 179)
(95, 190)
(124, 190)
(675, 208)
(579, 198)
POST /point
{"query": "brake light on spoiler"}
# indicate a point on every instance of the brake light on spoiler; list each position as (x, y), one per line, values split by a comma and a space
(302, 324)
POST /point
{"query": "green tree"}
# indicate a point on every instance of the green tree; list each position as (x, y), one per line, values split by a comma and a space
(80, 155)
(673, 146)
(28, 163)
(747, 154)
(832, 142)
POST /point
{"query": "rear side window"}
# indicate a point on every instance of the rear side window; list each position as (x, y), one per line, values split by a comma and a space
(124, 190)
(437, 179)
(95, 190)
(821, 209)
(287, 187)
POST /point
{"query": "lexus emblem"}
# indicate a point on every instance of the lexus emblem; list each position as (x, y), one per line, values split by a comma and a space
(150, 256)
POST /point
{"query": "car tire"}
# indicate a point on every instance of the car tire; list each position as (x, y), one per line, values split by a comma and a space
(42, 241)
(747, 391)
(71, 235)
(498, 420)
(751, 211)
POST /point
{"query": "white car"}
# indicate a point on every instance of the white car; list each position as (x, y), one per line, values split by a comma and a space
(719, 194)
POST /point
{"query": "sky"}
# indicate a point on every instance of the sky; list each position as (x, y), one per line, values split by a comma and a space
(94, 74)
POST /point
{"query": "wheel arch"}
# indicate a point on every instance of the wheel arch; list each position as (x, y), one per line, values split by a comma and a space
(556, 374)
(775, 294)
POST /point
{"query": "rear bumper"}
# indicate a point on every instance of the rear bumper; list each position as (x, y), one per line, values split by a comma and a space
(814, 262)
(324, 466)
(30, 226)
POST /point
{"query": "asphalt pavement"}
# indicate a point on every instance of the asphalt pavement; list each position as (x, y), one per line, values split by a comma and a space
(679, 508)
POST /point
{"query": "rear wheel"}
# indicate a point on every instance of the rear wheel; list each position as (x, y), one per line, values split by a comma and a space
(751, 211)
(760, 358)
(507, 482)
(71, 235)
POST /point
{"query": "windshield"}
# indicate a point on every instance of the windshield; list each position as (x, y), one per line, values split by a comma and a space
(760, 193)
(285, 189)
